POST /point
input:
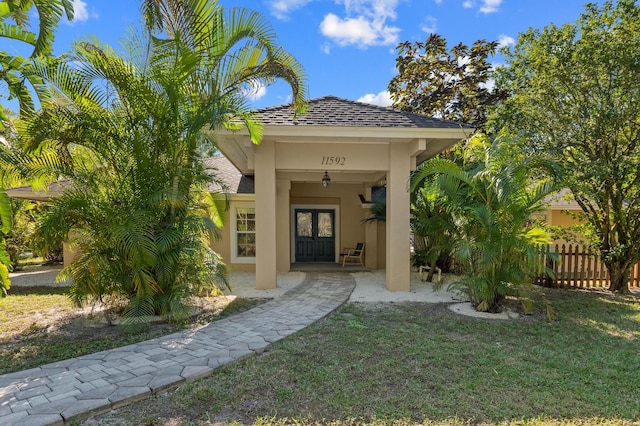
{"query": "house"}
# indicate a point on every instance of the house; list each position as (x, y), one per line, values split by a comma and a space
(301, 194)
(563, 211)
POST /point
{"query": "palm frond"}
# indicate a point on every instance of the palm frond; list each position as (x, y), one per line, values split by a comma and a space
(6, 217)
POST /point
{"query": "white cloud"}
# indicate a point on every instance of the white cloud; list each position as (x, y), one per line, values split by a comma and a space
(254, 90)
(282, 8)
(81, 13)
(326, 48)
(286, 99)
(429, 25)
(381, 99)
(490, 6)
(438, 1)
(489, 85)
(372, 8)
(505, 40)
(365, 23)
(348, 31)
(463, 60)
(487, 6)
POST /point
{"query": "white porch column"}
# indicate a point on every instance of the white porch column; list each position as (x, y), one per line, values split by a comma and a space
(283, 225)
(265, 192)
(398, 216)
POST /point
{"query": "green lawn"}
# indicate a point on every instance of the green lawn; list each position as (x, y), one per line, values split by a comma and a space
(412, 363)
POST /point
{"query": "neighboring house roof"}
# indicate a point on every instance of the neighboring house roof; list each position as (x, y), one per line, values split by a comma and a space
(27, 193)
(334, 111)
(562, 200)
(230, 180)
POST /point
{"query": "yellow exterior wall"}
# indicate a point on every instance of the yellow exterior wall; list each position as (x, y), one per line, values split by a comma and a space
(564, 219)
(69, 254)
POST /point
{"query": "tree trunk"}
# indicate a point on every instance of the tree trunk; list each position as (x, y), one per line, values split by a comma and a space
(619, 277)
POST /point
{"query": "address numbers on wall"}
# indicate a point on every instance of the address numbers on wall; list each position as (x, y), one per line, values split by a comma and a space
(333, 161)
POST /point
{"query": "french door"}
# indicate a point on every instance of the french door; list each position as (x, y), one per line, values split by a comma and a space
(315, 235)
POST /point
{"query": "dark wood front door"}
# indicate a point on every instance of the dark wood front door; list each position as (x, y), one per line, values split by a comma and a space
(315, 235)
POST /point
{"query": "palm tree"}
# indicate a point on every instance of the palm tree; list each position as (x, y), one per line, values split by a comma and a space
(5, 227)
(127, 132)
(491, 201)
(7, 136)
(15, 70)
(433, 227)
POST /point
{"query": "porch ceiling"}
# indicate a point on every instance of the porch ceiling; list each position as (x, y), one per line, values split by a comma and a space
(337, 176)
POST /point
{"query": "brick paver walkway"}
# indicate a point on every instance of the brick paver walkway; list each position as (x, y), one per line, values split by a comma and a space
(90, 384)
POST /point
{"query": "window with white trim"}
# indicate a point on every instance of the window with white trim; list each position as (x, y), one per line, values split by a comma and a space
(244, 246)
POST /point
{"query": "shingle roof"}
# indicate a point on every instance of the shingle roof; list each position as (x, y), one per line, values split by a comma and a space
(334, 111)
(231, 181)
(26, 192)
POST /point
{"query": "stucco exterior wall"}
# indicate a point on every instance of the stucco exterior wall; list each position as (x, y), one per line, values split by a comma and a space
(564, 219)
(69, 254)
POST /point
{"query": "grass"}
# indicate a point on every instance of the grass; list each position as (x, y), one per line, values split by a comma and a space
(417, 363)
(39, 325)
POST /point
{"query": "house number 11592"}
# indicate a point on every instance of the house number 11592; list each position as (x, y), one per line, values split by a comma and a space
(333, 161)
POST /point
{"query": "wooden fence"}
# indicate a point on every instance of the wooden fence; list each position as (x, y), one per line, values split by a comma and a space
(576, 266)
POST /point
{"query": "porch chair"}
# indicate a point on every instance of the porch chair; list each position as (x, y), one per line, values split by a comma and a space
(424, 268)
(353, 254)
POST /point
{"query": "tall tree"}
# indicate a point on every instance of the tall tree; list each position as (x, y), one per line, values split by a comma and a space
(126, 131)
(449, 84)
(15, 70)
(577, 100)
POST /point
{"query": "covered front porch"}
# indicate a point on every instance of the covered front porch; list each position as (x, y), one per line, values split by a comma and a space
(359, 147)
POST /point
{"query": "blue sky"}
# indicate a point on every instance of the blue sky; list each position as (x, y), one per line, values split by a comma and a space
(347, 47)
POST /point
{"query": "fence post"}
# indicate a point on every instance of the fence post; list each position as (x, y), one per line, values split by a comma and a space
(548, 265)
(576, 267)
(556, 266)
(570, 274)
(563, 263)
(583, 271)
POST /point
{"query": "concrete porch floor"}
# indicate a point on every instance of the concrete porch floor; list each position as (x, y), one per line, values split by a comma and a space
(326, 267)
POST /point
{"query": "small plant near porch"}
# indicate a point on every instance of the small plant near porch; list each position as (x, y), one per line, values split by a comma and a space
(490, 200)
